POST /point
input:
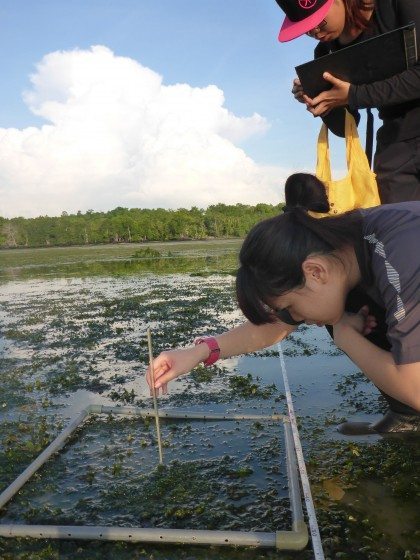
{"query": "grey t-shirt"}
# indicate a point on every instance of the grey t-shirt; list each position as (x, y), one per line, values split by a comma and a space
(389, 259)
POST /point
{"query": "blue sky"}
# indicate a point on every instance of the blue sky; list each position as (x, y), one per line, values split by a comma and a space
(230, 44)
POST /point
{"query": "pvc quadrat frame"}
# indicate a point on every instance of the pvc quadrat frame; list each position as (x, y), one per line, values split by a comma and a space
(294, 539)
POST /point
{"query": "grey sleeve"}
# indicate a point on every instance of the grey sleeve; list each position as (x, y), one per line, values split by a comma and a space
(393, 236)
(404, 335)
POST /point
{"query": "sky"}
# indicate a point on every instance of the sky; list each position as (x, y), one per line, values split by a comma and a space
(149, 103)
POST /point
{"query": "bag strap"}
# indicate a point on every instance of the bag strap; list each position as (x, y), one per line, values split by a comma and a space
(369, 136)
(352, 139)
(323, 164)
(355, 154)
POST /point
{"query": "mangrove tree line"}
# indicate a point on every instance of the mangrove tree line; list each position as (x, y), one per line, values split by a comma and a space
(133, 225)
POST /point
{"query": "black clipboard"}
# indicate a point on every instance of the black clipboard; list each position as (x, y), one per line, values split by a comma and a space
(375, 59)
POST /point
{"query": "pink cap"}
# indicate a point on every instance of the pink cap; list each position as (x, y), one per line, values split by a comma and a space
(293, 29)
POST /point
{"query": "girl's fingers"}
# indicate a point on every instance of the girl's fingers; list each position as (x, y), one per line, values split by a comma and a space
(159, 369)
(364, 311)
(163, 380)
(163, 372)
(370, 320)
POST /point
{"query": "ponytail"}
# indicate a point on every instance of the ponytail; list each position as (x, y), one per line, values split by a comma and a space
(307, 191)
(273, 252)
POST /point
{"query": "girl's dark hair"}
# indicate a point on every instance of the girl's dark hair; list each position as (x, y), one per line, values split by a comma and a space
(272, 254)
(354, 12)
(306, 190)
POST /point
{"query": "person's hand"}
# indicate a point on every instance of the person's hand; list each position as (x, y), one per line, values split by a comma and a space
(173, 363)
(297, 90)
(337, 96)
(362, 322)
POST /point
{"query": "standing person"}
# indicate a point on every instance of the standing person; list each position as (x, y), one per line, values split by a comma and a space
(340, 23)
(295, 268)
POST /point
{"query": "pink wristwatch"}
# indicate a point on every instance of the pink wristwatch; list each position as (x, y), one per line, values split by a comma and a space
(214, 349)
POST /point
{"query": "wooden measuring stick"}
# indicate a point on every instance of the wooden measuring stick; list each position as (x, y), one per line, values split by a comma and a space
(155, 404)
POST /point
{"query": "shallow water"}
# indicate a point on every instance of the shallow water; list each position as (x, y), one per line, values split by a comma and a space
(73, 325)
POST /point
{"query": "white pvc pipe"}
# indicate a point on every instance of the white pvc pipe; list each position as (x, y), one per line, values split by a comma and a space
(146, 413)
(135, 534)
(310, 508)
(292, 476)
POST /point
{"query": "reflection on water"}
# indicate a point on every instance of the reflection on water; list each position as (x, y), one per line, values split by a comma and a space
(225, 263)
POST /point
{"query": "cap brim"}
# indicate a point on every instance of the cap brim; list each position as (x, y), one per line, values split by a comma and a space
(293, 29)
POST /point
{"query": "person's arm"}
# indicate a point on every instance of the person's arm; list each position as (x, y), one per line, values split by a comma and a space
(384, 93)
(399, 381)
(401, 87)
(398, 89)
(250, 338)
(241, 340)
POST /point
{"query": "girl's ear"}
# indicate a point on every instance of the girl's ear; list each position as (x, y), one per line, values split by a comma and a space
(315, 270)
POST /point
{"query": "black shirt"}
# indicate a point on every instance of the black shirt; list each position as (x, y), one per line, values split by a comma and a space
(398, 97)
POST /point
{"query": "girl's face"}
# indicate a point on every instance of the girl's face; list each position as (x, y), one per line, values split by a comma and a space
(321, 300)
(332, 26)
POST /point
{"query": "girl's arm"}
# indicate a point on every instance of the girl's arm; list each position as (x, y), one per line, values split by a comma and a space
(399, 381)
(249, 338)
(243, 339)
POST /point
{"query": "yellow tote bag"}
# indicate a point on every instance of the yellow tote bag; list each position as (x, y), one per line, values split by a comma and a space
(358, 189)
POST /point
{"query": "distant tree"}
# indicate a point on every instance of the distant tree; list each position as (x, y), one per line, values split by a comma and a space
(10, 233)
(133, 225)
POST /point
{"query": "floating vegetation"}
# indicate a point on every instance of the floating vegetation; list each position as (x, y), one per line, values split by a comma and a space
(146, 253)
(353, 388)
(245, 386)
(122, 395)
(202, 374)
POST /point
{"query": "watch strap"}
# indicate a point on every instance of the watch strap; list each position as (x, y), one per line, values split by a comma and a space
(213, 347)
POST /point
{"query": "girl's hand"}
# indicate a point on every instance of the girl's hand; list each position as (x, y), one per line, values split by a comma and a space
(297, 90)
(173, 363)
(361, 322)
(337, 96)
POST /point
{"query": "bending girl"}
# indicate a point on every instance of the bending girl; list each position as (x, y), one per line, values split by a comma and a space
(298, 269)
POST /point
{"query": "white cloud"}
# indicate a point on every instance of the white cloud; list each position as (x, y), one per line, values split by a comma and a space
(117, 136)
